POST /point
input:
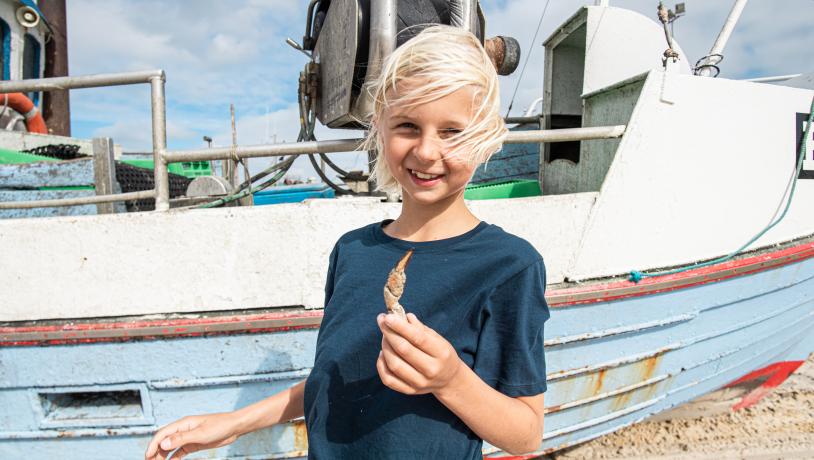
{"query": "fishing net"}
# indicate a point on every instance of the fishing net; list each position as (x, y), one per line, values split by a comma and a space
(131, 178)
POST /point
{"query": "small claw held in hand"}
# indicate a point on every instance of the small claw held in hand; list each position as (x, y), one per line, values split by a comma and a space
(396, 281)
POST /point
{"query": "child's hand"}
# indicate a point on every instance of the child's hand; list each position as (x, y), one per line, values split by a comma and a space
(192, 434)
(414, 358)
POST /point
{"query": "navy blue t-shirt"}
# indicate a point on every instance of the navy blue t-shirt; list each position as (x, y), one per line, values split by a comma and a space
(482, 291)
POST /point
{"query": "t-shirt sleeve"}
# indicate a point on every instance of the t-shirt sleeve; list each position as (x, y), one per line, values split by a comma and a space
(329, 281)
(510, 355)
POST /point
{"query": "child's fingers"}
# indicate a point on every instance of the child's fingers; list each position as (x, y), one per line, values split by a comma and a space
(401, 368)
(390, 380)
(405, 349)
(159, 436)
(416, 333)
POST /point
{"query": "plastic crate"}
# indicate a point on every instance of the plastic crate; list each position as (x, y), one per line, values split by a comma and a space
(15, 157)
(189, 169)
(505, 189)
(292, 194)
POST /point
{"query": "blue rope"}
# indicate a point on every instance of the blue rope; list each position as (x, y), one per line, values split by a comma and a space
(636, 276)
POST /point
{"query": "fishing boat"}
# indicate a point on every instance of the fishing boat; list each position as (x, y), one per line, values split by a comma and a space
(674, 218)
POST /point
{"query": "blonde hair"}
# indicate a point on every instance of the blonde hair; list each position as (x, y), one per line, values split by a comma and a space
(435, 63)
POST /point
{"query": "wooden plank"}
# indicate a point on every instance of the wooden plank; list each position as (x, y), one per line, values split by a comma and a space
(69, 173)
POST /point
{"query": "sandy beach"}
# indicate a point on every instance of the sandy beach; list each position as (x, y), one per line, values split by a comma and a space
(781, 426)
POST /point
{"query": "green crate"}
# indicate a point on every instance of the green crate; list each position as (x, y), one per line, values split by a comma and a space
(15, 157)
(189, 169)
(192, 168)
(506, 189)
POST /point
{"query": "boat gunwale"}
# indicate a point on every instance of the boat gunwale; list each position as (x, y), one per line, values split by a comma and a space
(113, 329)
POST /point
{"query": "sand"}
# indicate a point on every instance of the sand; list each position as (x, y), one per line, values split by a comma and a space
(780, 426)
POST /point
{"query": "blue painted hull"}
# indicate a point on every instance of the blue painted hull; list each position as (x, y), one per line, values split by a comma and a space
(610, 364)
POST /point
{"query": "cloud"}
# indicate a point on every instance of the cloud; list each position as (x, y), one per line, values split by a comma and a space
(193, 41)
(768, 39)
(216, 53)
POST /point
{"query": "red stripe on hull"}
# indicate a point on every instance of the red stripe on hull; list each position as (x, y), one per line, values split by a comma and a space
(80, 331)
(594, 293)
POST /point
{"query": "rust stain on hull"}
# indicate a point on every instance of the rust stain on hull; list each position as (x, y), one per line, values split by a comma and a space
(300, 436)
(643, 371)
(598, 380)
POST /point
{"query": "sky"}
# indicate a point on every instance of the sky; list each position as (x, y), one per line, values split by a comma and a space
(219, 52)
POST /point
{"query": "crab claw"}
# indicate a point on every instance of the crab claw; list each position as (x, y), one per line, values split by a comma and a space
(394, 287)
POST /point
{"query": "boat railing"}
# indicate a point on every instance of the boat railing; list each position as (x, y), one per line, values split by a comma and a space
(156, 80)
(163, 157)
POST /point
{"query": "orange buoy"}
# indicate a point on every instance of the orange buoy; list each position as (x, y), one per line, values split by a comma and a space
(22, 104)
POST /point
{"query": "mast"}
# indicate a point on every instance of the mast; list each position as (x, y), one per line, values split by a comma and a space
(705, 65)
(56, 108)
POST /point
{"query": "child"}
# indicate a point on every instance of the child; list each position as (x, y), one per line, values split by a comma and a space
(467, 364)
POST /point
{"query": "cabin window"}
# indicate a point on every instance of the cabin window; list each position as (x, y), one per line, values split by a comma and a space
(31, 63)
(5, 39)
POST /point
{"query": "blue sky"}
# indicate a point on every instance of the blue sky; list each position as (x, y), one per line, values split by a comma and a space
(220, 52)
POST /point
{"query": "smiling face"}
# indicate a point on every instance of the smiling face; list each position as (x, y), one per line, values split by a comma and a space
(416, 143)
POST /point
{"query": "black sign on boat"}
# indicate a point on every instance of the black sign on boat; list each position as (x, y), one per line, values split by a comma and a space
(807, 171)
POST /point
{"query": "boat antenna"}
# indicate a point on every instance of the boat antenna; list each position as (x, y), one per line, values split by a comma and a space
(664, 17)
(709, 63)
(533, 40)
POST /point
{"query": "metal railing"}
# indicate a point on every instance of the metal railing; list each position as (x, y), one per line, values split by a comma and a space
(162, 157)
(156, 79)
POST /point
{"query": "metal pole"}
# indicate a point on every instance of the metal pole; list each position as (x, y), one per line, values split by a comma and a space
(87, 81)
(351, 145)
(382, 44)
(78, 201)
(522, 120)
(713, 58)
(565, 135)
(104, 172)
(463, 14)
(159, 114)
(231, 176)
(267, 150)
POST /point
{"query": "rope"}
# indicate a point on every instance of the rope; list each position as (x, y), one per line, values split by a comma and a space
(523, 70)
(283, 167)
(636, 276)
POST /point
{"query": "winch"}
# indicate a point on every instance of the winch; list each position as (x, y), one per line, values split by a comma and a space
(349, 39)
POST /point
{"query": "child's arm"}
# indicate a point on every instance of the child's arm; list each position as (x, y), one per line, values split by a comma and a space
(200, 432)
(417, 360)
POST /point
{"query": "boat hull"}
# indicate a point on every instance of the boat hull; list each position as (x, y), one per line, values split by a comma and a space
(616, 354)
